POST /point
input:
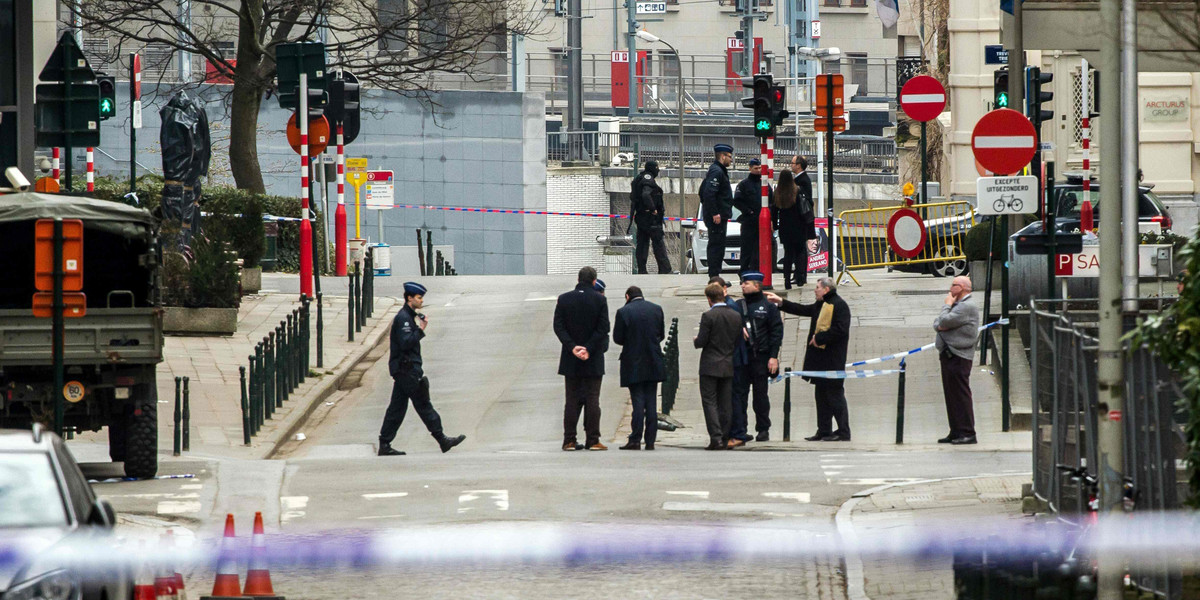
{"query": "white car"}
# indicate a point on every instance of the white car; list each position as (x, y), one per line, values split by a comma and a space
(733, 245)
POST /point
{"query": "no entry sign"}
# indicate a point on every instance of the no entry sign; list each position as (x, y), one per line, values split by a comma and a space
(923, 98)
(1004, 141)
(906, 233)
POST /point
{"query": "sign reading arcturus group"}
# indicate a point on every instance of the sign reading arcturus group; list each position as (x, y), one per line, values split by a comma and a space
(1007, 195)
(1162, 110)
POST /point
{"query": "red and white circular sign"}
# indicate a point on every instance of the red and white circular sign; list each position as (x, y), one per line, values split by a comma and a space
(1004, 141)
(923, 98)
(906, 233)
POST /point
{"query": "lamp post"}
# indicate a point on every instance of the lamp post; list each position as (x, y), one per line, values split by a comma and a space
(649, 37)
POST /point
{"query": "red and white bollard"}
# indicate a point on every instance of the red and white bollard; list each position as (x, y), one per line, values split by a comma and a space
(306, 258)
(91, 174)
(1085, 125)
(55, 165)
(766, 263)
(339, 216)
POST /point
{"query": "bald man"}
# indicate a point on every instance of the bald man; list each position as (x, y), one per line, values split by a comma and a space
(957, 329)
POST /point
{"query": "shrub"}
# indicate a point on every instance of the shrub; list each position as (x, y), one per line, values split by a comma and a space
(213, 277)
(977, 242)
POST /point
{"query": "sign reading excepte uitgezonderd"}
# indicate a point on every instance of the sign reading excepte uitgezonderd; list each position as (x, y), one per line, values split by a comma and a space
(1007, 195)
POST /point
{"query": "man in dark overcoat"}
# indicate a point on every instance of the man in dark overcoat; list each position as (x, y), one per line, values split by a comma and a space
(639, 329)
(581, 324)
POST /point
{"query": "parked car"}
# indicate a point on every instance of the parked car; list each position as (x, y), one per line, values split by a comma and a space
(733, 244)
(1068, 201)
(946, 237)
(46, 503)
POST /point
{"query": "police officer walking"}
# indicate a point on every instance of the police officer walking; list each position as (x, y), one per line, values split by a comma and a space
(716, 198)
(748, 200)
(410, 382)
(764, 336)
(646, 199)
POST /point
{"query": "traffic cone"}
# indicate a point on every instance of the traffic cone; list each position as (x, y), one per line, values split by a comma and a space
(164, 577)
(143, 583)
(176, 576)
(226, 585)
(258, 576)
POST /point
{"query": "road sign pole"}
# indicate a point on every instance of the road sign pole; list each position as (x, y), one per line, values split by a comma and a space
(57, 324)
(830, 255)
(924, 167)
(1051, 253)
(133, 98)
(67, 150)
(987, 287)
(1005, 406)
(306, 260)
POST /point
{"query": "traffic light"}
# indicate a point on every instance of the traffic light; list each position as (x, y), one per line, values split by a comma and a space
(343, 105)
(761, 102)
(779, 110)
(1000, 88)
(1035, 79)
(108, 96)
(316, 102)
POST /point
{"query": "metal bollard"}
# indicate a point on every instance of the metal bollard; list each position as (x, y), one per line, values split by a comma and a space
(900, 404)
(440, 268)
(245, 408)
(253, 399)
(420, 254)
(187, 417)
(428, 252)
(304, 339)
(269, 375)
(291, 353)
(297, 350)
(178, 418)
(369, 287)
(787, 406)
(259, 388)
(320, 335)
(358, 300)
(281, 362)
(350, 307)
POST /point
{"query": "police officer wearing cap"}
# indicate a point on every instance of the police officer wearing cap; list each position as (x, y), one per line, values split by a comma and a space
(410, 382)
(716, 198)
(646, 207)
(764, 336)
(748, 200)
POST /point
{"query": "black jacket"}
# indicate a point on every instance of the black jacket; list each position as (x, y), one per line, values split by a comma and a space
(806, 194)
(715, 195)
(748, 200)
(646, 197)
(764, 325)
(581, 319)
(639, 329)
(835, 339)
(405, 358)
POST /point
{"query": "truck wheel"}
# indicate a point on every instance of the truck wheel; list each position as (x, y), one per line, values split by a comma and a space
(116, 436)
(141, 440)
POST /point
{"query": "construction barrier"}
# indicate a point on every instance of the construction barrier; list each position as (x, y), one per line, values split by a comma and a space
(863, 236)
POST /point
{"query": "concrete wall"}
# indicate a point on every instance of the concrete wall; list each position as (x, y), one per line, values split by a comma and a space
(473, 149)
(571, 241)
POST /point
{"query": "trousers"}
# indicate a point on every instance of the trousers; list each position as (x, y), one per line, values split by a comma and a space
(405, 388)
(644, 397)
(956, 386)
(831, 406)
(715, 396)
(716, 246)
(756, 376)
(645, 237)
(795, 258)
(583, 395)
(748, 261)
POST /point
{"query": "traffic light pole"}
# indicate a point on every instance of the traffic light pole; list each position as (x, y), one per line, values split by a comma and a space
(339, 217)
(766, 264)
(306, 254)
(133, 92)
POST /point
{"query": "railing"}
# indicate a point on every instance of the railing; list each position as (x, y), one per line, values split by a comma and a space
(852, 154)
(573, 146)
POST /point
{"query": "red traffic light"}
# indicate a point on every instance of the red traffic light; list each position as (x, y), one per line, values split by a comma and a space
(777, 95)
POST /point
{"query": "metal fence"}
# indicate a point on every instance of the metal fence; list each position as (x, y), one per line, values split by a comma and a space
(852, 154)
(1063, 358)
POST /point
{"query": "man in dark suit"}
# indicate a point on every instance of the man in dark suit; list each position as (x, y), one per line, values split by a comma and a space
(639, 329)
(716, 199)
(581, 324)
(807, 209)
(720, 328)
(828, 338)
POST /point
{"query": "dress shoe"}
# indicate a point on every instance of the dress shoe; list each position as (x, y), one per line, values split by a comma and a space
(762, 436)
(835, 438)
(447, 443)
(965, 440)
(597, 447)
(946, 440)
(572, 446)
(715, 446)
(735, 443)
(388, 450)
(649, 446)
(632, 446)
(816, 437)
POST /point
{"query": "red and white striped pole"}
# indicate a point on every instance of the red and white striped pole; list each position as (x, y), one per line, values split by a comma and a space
(91, 174)
(55, 166)
(766, 263)
(306, 255)
(339, 216)
(1085, 126)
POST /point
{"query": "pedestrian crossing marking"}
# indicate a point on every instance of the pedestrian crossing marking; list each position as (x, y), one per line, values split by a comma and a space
(499, 499)
(687, 493)
(383, 495)
(797, 496)
(291, 507)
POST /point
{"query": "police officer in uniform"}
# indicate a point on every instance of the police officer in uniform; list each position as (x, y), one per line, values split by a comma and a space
(764, 336)
(647, 208)
(716, 198)
(748, 200)
(410, 382)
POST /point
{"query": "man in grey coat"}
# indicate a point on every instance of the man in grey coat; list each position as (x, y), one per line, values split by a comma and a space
(957, 329)
(720, 330)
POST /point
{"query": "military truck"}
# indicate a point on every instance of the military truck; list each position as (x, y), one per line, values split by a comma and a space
(111, 352)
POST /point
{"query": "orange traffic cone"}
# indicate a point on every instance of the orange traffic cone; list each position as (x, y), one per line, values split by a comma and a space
(176, 576)
(164, 576)
(143, 583)
(258, 576)
(226, 585)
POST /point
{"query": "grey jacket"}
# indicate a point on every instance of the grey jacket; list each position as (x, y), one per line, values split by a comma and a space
(720, 330)
(958, 327)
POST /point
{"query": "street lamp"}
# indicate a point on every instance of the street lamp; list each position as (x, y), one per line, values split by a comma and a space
(651, 38)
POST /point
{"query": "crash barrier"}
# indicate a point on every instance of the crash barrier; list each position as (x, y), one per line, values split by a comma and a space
(670, 386)
(1064, 345)
(425, 257)
(863, 236)
(183, 416)
(278, 366)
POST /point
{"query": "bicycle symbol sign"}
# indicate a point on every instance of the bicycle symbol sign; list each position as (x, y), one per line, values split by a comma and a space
(1007, 195)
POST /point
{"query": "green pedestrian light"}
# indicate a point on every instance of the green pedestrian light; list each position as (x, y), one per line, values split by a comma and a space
(106, 108)
(108, 95)
(1002, 100)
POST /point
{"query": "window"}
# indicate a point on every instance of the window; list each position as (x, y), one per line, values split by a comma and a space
(862, 3)
(559, 56)
(227, 50)
(834, 3)
(670, 71)
(393, 25)
(858, 71)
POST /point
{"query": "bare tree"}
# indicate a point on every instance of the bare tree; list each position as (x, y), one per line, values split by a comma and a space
(398, 45)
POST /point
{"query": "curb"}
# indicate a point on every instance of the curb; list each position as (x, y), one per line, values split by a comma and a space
(329, 384)
(855, 577)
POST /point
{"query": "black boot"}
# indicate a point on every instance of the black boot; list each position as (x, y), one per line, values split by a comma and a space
(448, 442)
(388, 450)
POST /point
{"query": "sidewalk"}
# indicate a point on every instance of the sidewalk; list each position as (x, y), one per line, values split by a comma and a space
(891, 313)
(930, 505)
(211, 364)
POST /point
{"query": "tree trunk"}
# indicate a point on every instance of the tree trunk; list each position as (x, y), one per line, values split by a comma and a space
(243, 136)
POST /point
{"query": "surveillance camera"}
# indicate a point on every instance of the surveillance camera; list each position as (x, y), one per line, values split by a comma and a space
(17, 179)
(43, 164)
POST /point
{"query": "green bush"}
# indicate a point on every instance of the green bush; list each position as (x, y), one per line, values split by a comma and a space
(243, 230)
(213, 277)
(977, 242)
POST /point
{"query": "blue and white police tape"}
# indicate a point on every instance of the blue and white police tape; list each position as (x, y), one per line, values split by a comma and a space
(873, 361)
(836, 374)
